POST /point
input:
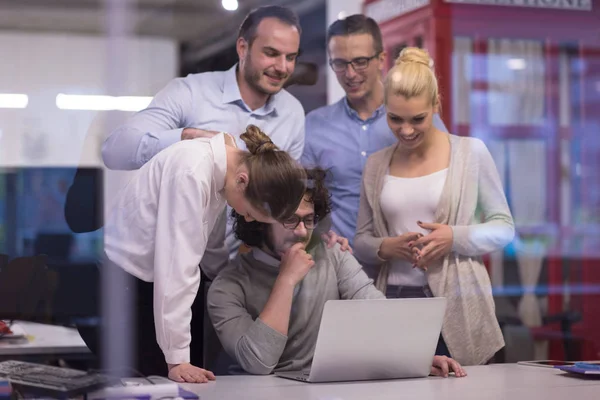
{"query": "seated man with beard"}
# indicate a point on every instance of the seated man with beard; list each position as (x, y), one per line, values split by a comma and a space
(266, 306)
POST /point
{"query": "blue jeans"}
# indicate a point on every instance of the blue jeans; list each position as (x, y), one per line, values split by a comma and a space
(416, 292)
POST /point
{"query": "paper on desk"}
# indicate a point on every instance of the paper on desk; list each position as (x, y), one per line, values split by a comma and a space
(17, 333)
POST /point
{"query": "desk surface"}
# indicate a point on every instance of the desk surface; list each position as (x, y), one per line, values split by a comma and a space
(500, 381)
(44, 340)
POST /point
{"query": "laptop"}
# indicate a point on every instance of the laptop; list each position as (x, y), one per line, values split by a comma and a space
(375, 339)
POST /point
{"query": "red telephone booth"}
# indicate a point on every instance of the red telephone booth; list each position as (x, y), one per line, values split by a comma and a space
(526, 79)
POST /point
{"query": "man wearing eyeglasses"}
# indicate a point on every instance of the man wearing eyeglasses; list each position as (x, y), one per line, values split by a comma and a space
(340, 137)
(266, 306)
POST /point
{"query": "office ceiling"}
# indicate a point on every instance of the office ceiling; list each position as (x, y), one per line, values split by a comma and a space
(203, 26)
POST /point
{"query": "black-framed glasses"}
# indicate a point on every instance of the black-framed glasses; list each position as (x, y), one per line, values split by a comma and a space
(358, 63)
(293, 222)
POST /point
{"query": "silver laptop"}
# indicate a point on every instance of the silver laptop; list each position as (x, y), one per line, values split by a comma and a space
(375, 339)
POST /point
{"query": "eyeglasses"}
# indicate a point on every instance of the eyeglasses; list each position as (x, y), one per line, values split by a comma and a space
(293, 222)
(358, 63)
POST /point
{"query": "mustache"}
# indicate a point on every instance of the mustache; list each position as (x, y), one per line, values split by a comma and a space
(277, 75)
(297, 240)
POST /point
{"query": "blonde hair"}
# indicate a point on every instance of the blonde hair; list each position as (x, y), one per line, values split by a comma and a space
(412, 75)
(277, 182)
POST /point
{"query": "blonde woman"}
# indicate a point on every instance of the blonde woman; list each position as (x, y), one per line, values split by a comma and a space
(419, 221)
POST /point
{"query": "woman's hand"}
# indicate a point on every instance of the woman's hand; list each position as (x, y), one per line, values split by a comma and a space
(189, 373)
(442, 366)
(433, 246)
(399, 247)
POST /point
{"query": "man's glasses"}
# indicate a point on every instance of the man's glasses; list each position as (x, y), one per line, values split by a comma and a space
(293, 222)
(358, 63)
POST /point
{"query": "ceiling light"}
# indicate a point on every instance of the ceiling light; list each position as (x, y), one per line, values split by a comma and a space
(102, 103)
(342, 15)
(516, 63)
(12, 100)
(230, 5)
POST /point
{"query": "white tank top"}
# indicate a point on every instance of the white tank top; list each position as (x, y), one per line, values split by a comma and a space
(404, 201)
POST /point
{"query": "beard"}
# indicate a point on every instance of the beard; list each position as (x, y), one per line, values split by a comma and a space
(279, 249)
(253, 77)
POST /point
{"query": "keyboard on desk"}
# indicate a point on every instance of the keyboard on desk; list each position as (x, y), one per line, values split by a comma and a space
(50, 381)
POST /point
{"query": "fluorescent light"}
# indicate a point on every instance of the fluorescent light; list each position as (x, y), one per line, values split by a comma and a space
(342, 15)
(516, 63)
(101, 103)
(230, 5)
(11, 100)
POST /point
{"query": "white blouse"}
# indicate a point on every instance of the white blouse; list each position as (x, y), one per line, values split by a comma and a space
(404, 201)
(158, 228)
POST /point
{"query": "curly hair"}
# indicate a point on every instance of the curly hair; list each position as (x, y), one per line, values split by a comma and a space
(254, 233)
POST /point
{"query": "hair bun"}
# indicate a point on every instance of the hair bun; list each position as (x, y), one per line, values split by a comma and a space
(257, 141)
(414, 55)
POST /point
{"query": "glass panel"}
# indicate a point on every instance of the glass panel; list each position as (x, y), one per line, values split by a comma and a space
(516, 79)
(527, 180)
(462, 78)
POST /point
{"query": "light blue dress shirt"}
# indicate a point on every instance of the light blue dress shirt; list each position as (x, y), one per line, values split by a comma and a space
(339, 141)
(211, 101)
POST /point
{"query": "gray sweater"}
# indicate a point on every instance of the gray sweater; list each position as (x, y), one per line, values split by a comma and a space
(238, 295)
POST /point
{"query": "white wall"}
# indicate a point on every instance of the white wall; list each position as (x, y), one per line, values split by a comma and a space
(43, 65)
(334, 8)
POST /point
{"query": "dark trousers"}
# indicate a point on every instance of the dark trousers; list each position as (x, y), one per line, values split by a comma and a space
(415, 292)
(148, 358)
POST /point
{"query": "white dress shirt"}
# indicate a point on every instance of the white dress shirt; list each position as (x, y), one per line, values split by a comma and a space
(158, 229)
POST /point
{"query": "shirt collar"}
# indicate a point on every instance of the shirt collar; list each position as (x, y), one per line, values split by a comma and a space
(231, 90)
(265, 258)
(271, 105)
(231, 94)
(353, 114)
(217, 143)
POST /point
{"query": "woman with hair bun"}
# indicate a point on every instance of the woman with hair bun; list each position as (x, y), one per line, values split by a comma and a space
(420, 224)
(161, 221)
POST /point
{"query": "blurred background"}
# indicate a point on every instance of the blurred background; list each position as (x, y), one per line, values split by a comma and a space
(524, 76)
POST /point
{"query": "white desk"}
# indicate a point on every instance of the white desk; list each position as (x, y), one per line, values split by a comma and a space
(493, 382)
(43, 340)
